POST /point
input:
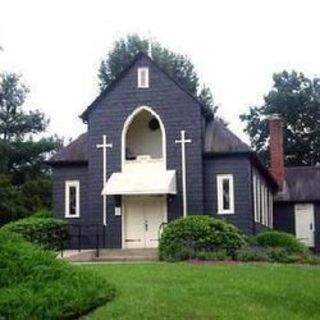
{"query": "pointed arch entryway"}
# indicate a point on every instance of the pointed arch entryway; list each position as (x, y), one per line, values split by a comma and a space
(143, 182)
(143, 137)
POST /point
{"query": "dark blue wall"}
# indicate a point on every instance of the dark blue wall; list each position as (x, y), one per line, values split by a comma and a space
(283, 217)
(60, 175)
(177, 110)
(240, 167)
(88, 233)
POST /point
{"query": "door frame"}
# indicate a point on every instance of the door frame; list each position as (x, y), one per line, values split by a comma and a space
(313, 218)
(165, 213)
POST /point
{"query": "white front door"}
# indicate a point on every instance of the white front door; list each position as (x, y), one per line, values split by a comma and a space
(304, 223)
(143, 216)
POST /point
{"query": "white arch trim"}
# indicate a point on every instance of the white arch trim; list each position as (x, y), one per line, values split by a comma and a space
(125, 129)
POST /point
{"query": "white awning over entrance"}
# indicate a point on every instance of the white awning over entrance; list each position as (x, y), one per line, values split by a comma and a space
(127, 183)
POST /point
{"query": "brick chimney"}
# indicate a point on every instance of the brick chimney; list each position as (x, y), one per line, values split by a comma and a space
(276, 149)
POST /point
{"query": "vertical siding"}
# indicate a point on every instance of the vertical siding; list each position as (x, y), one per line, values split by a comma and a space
(240, 167)
(177, 110)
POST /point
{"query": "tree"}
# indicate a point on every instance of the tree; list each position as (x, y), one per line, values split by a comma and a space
(178, 66)
(22, 155)
(11, 204)
(296, 99)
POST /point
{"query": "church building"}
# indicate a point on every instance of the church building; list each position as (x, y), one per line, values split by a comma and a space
(150, 156)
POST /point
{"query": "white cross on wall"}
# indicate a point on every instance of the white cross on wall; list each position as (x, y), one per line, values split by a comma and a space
(183, 141)
(104, 146)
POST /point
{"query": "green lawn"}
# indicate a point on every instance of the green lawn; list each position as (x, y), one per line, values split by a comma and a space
(185, 291)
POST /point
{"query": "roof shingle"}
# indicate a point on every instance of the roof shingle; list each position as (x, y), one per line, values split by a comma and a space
(219, 139)
(76, 151)
(302, 184)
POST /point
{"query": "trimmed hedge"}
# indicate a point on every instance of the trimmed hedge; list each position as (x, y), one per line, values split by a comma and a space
(185, 237)
(36, 285)
(253, 253)
(276, 239)
(43, 213)
(275, 246)
(47, 232)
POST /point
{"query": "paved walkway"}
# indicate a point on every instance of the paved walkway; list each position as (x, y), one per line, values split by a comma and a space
(73, 253)
(108, 255)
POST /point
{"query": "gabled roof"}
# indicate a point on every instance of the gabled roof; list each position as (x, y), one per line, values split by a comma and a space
(218, 138)
(301, 184)
(75, 152)
(104, 93)
(221, 141)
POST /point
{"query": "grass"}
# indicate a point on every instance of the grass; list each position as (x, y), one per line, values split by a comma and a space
(187, 291)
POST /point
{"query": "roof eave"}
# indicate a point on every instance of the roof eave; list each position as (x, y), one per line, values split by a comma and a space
(56, 163)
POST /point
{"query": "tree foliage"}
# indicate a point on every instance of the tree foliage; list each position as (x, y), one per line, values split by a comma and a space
(296, 99)
(178, 66)
(22, 156)
(25, 183)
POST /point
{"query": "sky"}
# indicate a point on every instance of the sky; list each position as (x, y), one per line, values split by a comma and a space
(235, 46)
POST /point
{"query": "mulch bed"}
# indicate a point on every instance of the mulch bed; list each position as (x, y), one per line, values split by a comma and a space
(218, 262)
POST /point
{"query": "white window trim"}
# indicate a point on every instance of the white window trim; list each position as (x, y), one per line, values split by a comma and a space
(68, 184)
(262, 204)
(220, 178)
(140, 71)
(255, 202)
(264, 211)
(263, 201)
(270, 209)
(259, 200)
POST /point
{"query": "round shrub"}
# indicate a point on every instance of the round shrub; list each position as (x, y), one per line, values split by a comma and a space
(184, 237)
(47, 232)
(280, 240)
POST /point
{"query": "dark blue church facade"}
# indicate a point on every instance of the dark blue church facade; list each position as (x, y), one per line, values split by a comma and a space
(150, 156)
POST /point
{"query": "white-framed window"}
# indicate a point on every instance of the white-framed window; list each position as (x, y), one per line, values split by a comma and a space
(143, 77)
(72, 199)
(225, 194)
(258, 200)
(270, 209)
(265, 205)
(262, 204)
(255, 202)
(263, 201)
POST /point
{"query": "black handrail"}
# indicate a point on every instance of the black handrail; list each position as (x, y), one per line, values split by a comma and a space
(161, 228)
(81, 233)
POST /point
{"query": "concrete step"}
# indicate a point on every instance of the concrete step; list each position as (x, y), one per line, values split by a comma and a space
(128, 252)
(127, 255)
(114, 255)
